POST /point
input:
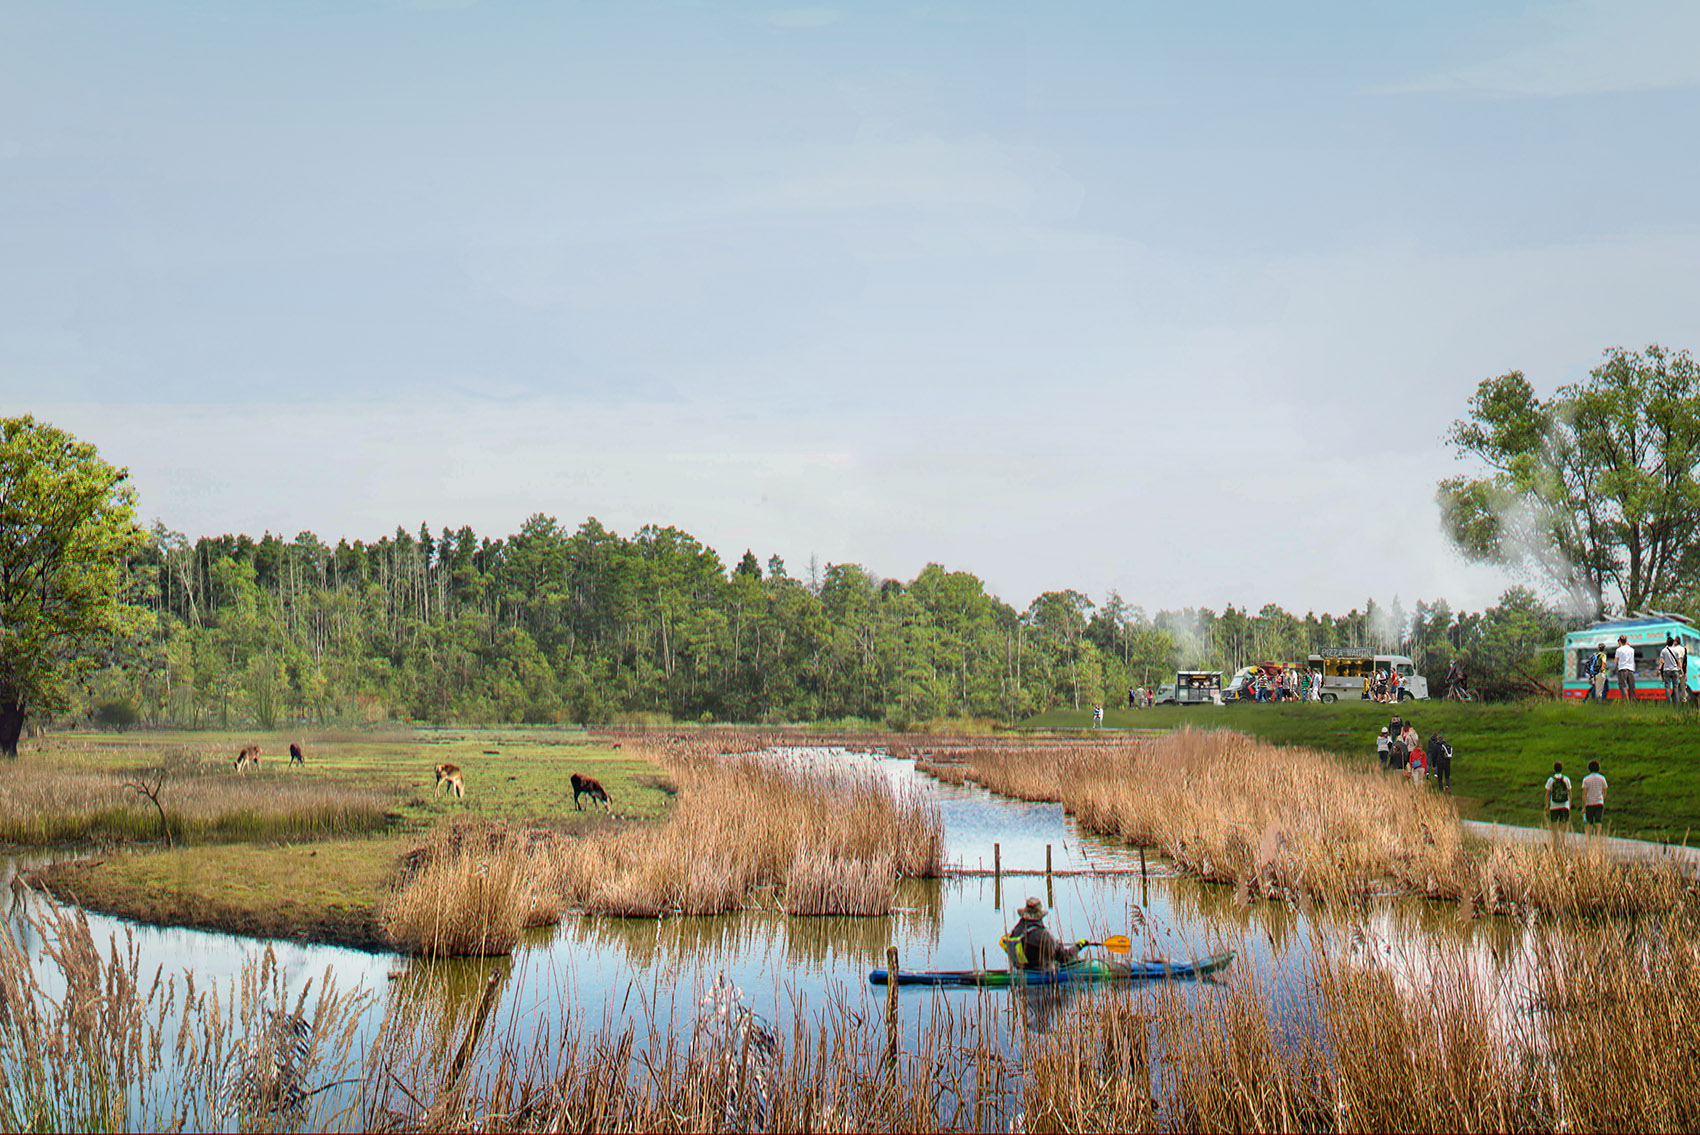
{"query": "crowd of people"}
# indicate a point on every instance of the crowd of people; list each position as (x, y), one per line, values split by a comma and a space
(1673, 670)
(1399, 747)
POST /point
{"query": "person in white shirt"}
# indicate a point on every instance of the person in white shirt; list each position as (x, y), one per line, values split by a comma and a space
(1625, 668)
(1670, 670)
(1593, 795)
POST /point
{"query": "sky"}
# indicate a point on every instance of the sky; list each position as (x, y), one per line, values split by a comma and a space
(1176, 300)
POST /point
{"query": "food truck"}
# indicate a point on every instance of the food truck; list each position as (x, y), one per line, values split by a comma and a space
(1198, 687)
(1344, 669)
(1646, 633)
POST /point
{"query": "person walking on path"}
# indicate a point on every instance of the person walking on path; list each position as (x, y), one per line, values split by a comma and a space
(1593, 795)
(1419, 766)
(1440, 760)
(1625, 668)
(1558, 795)
(1670, 671)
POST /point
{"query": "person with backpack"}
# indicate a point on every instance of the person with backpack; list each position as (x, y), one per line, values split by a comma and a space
(1558, 795)
(1669, 673)
(1398, 753)
(1440, 760)
(1383, 743)
(1591, 668)
(1601, 666)
(1419, 766)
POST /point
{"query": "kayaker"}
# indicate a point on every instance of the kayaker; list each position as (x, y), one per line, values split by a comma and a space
(1040, 949)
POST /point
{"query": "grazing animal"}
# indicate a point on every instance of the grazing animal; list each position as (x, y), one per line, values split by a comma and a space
(295, 757)
(248, 756)
(585, 786)
(450, 775)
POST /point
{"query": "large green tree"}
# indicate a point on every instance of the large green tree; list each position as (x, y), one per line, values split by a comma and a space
(1592, 492)
(67, 527)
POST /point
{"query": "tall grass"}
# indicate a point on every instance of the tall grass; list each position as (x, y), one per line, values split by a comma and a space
(90, 1042)
(823, 840)
(469, 891)
(44, 801)
(1295, 824)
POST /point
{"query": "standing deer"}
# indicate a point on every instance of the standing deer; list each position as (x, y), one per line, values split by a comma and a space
(450, 775)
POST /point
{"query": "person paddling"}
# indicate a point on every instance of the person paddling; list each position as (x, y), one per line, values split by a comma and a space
(1034, 947)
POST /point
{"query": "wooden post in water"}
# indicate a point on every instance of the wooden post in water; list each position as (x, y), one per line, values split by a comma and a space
(997, 877)
(891, 1007)
(1144, 882)
(1050, 895)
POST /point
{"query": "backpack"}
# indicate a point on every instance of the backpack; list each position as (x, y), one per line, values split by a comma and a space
(1560, 794)
(1592, 669)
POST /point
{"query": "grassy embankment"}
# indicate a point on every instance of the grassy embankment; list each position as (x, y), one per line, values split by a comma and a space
(304, 852)
(1300, 825)
(1650, 755)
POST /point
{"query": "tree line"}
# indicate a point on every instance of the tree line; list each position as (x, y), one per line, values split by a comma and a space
(552, 624)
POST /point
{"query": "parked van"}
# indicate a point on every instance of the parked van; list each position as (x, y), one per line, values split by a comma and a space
(1345, 668)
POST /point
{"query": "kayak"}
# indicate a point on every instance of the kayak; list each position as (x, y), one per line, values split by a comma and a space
(1084, 972)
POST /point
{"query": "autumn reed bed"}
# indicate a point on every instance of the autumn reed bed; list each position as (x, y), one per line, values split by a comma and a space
(1296, 824)
(1568, 1030)
(821, 839)
(89, 1041)
(469, 891)
(47, 801)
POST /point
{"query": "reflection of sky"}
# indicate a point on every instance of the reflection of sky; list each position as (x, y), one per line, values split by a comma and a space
(609, 970)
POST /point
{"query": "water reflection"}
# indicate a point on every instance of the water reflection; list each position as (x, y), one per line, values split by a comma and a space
(612, 972)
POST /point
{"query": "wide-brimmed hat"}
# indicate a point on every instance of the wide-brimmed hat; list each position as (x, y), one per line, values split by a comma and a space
(1033, 909)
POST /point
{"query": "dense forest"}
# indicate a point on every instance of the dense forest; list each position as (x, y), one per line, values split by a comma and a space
(555, 625)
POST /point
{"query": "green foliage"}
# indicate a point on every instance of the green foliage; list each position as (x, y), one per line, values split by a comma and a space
(67, 527)
(1591, 490)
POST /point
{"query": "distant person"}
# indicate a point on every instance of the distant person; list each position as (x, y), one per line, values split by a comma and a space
(1593, 795)
(1602, 667)
(1383, 744)
(1670, 670)
(1398, 753)
(1682, 672)
(1456, 680)
(1625, 668)
(1097, 717)
(1592, 667)
(1558, 795)
(1037, 948)
(1132, 698)
(1316, 685)
(1413, 743)
(1440, 760)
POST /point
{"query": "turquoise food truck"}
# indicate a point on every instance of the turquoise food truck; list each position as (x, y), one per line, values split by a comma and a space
(1646, 633)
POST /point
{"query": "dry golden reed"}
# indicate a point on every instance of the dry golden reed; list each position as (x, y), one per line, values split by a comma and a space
(469, 891)
(1296, 824)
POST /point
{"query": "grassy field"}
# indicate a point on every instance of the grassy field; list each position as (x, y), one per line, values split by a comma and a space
(1503, 754)
(293, 881)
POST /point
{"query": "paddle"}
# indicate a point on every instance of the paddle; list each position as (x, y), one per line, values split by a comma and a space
(1115, 943)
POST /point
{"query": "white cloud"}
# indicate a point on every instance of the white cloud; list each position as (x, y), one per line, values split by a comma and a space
(1588, 47)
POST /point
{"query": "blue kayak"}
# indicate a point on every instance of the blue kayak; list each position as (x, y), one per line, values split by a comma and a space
(1083, 972)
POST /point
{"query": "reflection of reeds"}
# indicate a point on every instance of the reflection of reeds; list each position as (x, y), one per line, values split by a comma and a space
(469, 893)
(1295, 824)
(828, 841)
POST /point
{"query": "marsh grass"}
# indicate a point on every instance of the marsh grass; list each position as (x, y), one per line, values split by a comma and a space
(47, 801)
(1298, 825)
(91, 1042)
(826, 840)
(469, 891)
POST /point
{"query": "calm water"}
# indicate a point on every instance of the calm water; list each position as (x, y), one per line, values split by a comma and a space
(597, 971)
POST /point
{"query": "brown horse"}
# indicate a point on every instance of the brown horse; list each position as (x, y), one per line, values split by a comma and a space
(450, 775)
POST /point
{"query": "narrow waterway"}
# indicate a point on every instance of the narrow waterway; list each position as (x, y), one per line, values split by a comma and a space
(607, 972)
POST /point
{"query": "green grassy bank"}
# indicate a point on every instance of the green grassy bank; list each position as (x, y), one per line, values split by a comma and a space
(1503, 754)
(290, 868)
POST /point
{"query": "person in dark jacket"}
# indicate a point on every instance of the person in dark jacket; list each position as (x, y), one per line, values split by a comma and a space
(1440, 760)
(1039, 947)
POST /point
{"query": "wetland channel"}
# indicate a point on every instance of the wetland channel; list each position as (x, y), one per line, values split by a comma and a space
(602, 972)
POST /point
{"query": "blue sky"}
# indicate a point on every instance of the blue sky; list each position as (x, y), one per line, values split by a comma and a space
(1174, 299)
